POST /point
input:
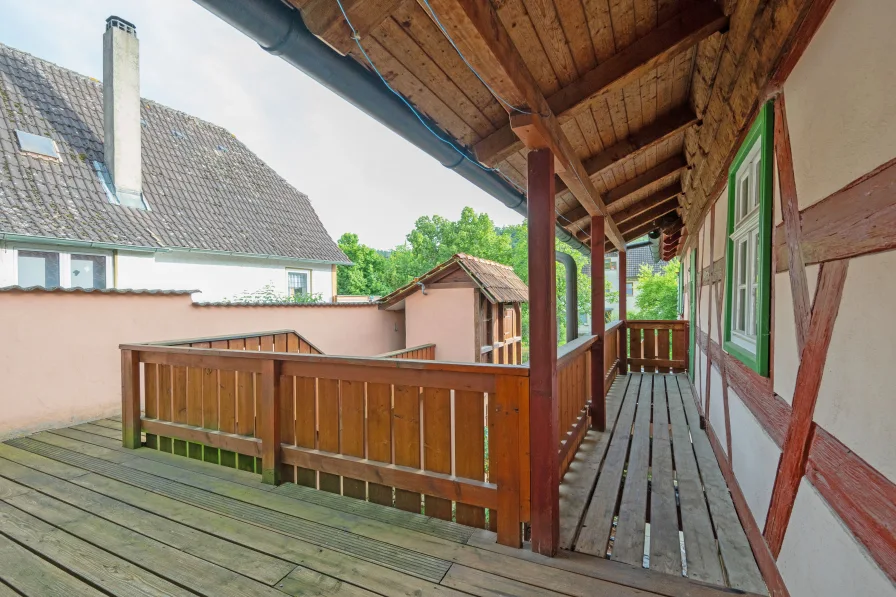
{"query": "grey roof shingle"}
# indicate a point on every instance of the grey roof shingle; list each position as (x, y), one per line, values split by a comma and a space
(637, 256)
(200, 195)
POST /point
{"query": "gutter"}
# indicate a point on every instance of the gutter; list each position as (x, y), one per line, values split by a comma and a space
(280, 31)
(69, 242)
(572, 294)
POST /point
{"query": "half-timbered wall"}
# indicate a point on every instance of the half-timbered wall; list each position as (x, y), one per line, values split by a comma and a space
(835, 533)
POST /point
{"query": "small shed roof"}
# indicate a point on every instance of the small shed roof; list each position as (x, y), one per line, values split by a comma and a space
(497, 281)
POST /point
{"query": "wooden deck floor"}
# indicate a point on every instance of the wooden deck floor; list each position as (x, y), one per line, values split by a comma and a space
(649, 492)
(79, 515)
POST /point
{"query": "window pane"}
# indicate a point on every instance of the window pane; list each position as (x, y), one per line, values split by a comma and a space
(38, 268)
(88, 271)
(629, 289)
(298, 283)
(740, 324)
(757, 168)
(742, 263)
(744, 198)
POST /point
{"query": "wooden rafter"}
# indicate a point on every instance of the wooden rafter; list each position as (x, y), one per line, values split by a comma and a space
(650, 216)
(324, 19)
(573, 223)
(671, 38)
(479, 35)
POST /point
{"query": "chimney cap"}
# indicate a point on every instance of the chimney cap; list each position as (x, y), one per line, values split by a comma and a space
(119, 23)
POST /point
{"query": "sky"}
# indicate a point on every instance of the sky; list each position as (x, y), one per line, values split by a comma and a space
(360, 176)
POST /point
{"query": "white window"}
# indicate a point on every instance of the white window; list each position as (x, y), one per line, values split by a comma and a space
(53, 269)
(745, 240)
(298, 282)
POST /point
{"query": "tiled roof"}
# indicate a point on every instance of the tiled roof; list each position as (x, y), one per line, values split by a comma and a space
(205, 189)
(497, 281)
(641, 255)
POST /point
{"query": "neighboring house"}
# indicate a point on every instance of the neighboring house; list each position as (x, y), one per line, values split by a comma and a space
(468, 307)
(100, 189)
(636, 256)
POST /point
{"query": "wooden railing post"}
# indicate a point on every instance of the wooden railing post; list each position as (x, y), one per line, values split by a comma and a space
(130, 399)
(598, 327)
(504, 452)
(622, 347)
(270, 422)
(622, 339)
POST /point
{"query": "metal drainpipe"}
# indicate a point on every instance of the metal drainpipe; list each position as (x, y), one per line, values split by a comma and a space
(279, 30)
(572, 295)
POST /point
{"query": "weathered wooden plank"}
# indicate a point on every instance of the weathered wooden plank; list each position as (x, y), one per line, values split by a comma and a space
(699, 541)
(260, 567)
(352, 438)
(328, 428)
(598, 521)
(469, 455)
(33, 576)
(740, 566)
(189, 487)
(665, 549)
(379, 436)
(406, 425)
(437, 445)
(392, 516)
(581, 476)
(629, 544)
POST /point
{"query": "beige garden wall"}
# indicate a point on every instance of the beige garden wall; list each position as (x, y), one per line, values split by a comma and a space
(59, 357)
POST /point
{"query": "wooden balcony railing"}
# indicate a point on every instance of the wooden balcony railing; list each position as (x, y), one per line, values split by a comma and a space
(424, 352)
(362, 427)
(574, 387)
(658, 346)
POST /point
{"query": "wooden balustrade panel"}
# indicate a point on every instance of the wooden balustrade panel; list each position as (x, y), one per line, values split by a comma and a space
(664, 346)
(328, 428)
(469, 455)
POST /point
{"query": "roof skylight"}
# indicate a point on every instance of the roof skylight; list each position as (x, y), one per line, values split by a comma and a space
(37, 144)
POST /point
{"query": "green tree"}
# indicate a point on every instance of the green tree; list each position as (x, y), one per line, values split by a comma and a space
(657, 292)
(367, 275)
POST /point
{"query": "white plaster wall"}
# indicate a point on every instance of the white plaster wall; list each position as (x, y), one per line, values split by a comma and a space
(700, 376)
(6, 267)
(820, 557)
(787, 360)
(217, 277)
(721, 225)
(856, 400)
(717, 409)
(755, 457)
(841, 99)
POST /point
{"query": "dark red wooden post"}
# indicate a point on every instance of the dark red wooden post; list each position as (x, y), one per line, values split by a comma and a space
(544, 438)
(130, 399)
(598, 404)
(622, 342)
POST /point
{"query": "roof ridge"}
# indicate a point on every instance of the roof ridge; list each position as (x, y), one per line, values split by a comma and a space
(463, 256)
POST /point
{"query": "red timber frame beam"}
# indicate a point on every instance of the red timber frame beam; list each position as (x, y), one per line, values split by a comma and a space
(544, 434)
(598, 329)
(622, 344)
(477, 32)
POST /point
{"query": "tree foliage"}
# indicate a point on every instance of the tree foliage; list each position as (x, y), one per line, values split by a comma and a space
(435, 239)
(657, 292)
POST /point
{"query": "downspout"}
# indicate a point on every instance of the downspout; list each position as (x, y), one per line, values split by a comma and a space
(572, 295)
(279, 30)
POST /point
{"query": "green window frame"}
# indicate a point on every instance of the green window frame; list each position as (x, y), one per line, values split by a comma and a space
(754, 248)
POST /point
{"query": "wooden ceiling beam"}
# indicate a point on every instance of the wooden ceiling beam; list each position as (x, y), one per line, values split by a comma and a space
(574, 218)
(477, 32)
(662, 196)
(325, 20)
(652, 135)
(651, 215)
(677, 35)
(636, 233)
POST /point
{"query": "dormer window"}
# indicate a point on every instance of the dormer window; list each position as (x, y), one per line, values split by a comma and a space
(37, 145)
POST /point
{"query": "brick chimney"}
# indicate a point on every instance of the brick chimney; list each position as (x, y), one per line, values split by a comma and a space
(121, 110)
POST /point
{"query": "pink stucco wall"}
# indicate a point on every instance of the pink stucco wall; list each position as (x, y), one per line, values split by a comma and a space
(59, 357)
(443, 316)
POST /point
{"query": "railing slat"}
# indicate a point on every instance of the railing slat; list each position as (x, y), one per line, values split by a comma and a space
(379, 437)
(406, 423)
(504, 453)
(328, 427)
(270, 422)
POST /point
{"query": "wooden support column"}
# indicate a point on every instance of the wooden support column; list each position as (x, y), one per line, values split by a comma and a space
(270, 422)
(598, 293)
(544, 438)
(130, 399)
(622, 342)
